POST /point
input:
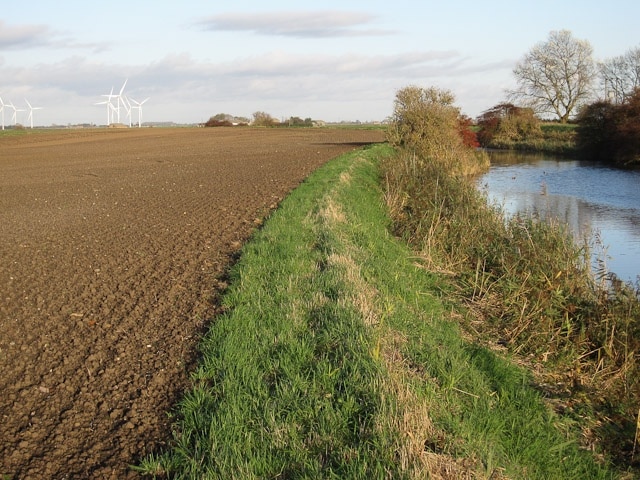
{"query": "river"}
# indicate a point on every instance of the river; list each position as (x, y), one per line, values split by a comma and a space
(592, 199)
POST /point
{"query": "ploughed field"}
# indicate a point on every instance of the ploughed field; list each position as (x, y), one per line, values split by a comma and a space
(113, 248)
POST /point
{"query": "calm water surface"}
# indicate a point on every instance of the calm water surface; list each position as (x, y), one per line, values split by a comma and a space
(588, 197)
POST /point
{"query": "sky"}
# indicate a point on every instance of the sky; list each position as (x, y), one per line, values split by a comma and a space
(331, 60)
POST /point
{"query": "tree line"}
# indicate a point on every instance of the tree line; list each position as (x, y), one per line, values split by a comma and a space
(559, 76)
(559, 79)
(259, 119)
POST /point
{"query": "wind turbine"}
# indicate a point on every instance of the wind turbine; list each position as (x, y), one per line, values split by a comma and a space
(31, 109)
(108, 104)
(2, 105)
(110, 107)
(14, 117)
(120, 99)
(138, 105)
(113, 109)
(127, 106)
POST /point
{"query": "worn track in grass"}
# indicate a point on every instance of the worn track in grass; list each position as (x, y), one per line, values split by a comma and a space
(112, 246)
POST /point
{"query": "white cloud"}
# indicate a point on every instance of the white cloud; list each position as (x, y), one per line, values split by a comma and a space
(23, 36)
(308, 24)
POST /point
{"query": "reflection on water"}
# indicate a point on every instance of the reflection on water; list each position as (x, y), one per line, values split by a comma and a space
(586, 196)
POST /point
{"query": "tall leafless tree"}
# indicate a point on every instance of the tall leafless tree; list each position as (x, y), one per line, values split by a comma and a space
(621, 75)
(555, 77)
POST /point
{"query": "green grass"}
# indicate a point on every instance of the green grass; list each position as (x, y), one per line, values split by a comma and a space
(21, 131)
(566, 128)
(557, 139)
(12, 132)
(338, 357)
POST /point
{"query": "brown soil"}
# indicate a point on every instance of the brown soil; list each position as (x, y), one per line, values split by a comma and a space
(113, 245)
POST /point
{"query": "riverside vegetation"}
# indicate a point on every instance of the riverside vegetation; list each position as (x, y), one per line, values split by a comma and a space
(356, 344)
(506, 126)
(529, 287)
(603, 131)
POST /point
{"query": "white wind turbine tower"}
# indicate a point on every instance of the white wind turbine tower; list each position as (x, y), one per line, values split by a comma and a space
(138, 105)
(14, 117)
(109, 105)
(31, 109)
(127, 106)
(120, 99)
(2, 105)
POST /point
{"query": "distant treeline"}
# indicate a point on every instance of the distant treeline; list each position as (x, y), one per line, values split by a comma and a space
(610, 132)
(604, 131)
(259, 119)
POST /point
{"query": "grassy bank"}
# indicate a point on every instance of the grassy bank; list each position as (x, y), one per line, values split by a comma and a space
(339, 356)
(530, 289)
(554, 138)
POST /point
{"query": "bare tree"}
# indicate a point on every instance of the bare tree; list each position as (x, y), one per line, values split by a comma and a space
(263, 119)
(555, 77)
(621, 75)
